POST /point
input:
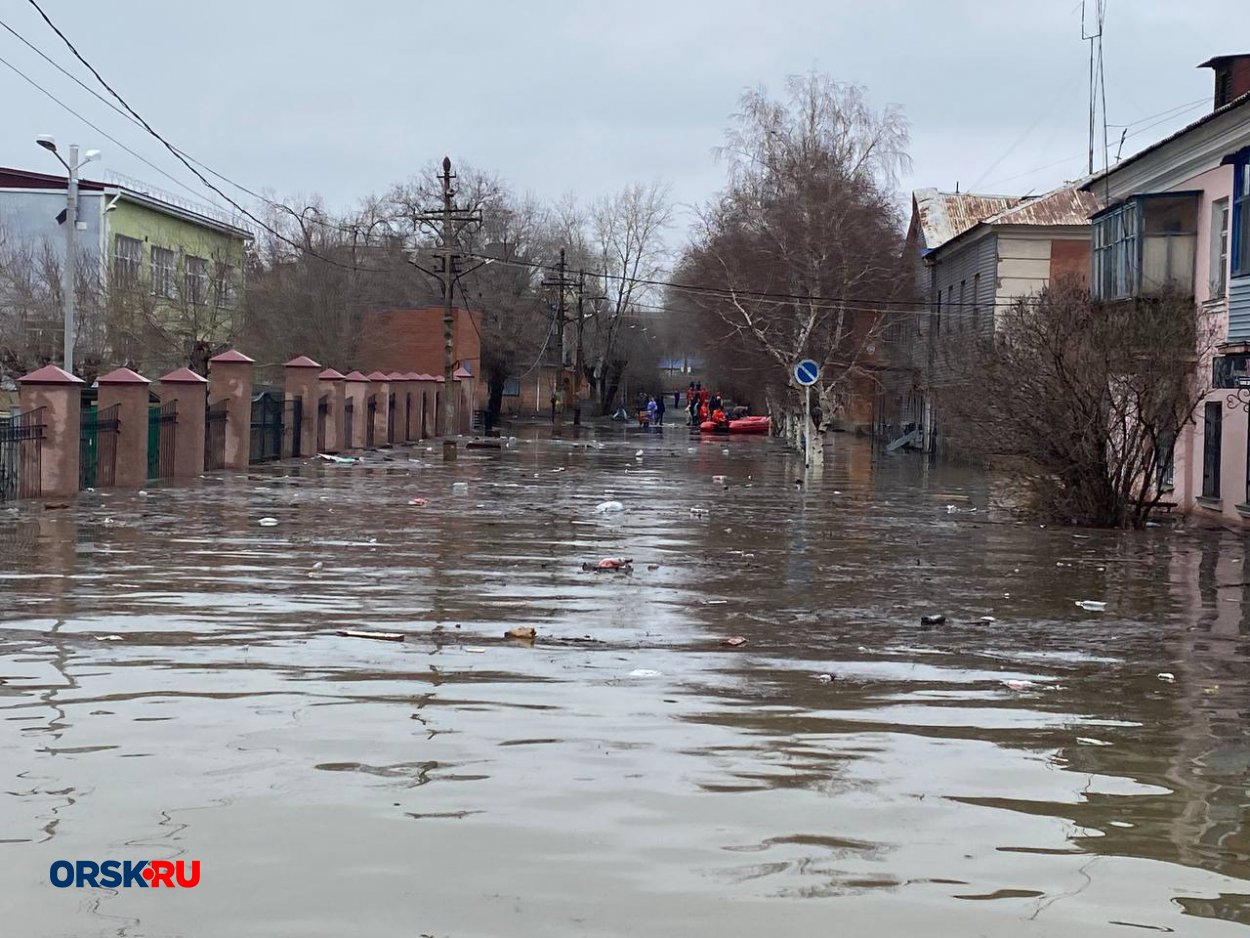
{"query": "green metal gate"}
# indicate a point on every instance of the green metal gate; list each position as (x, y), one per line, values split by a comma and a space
(97, 447)
(162, 421)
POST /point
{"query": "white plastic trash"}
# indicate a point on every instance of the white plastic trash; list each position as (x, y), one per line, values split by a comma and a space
(267, 522)
(719, 480)
(604, 507)
(460, 488)
(644, 672)
(1091, 605)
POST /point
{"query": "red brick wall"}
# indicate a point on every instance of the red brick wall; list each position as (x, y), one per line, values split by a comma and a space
(1069, 258)
(412, 340)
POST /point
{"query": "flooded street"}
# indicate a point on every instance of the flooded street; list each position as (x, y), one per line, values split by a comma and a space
(173, 687)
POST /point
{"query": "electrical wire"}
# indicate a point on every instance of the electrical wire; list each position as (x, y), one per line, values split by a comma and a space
(183, 159)
(866, 304)
(34, 84)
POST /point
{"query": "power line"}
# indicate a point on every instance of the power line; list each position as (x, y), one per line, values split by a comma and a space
(105, 134)
(180, 156)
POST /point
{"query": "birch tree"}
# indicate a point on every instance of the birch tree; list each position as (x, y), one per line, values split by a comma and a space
(801, 255)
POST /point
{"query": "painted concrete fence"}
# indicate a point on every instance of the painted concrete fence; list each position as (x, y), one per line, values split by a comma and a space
(205, 423)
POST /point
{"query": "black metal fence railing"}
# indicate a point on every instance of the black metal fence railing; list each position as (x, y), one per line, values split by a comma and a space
(390, 418)
(21, 455)
(215, 436)
(371, 420)
(349, 423)
(296, 423)
(267, 426)
(162, 427)
(323, 414)
(97, 446)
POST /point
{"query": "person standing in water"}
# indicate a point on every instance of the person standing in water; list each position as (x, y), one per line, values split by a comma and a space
(659, 409)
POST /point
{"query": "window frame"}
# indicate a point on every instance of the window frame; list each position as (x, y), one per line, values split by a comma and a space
(223, 286)
(1239, 246)
(1212, 452)
(164, 278)
(123, 273)
(197, 296)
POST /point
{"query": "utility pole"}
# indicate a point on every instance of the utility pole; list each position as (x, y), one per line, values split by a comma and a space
(69, 269)
(579, 361)
(68, 287)
(449, 222)
(561, 283)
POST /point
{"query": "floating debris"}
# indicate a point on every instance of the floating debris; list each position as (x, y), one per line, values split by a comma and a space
(379, 636)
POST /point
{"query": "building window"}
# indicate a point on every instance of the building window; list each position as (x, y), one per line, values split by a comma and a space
(1212, 439)
(1230, 371)
(1114, 241)
(164, 271)
(511, 387)
(1165, 460)
(224, 288)
(127, 261)
(1219, 248)
(1241, 218)
(1145, 246)
(197, 279)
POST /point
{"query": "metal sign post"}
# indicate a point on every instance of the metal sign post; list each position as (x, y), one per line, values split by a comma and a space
(807, 373)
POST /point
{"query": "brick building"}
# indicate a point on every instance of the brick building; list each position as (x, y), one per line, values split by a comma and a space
(412, 340)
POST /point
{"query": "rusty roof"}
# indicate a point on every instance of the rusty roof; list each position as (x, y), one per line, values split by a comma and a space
(1067, 205)
(947, 215)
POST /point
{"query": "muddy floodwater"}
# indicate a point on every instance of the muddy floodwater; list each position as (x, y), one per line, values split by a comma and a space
(172, 686)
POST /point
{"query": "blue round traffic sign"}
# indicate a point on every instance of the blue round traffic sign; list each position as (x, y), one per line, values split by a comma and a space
(807, 372)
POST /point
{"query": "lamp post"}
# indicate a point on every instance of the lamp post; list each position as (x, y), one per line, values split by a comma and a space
(68, 271)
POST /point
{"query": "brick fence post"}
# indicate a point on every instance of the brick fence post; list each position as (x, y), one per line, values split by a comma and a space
(129, 391)
(331, 386)
(189, 392)
(60, 395)
(230, 380)
(300, 381)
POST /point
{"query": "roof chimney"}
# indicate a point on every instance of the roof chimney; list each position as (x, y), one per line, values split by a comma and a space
(1232, 76)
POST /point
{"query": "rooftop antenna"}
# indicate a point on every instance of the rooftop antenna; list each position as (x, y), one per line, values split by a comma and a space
(1097, 83)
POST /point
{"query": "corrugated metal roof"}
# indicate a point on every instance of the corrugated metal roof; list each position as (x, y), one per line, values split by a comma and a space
(946, 215)
(1067, 205)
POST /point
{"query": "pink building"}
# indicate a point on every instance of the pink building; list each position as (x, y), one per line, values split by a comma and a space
(1177, 216)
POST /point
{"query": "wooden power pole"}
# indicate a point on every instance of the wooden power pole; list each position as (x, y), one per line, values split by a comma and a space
(561, 284)
(579, 359)
(449, 222)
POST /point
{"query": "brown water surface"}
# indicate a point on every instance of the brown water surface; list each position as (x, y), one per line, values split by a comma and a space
(627, 774)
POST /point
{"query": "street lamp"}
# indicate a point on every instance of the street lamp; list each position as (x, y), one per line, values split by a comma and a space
(71, 226)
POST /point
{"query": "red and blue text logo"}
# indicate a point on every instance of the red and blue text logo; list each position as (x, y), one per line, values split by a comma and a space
(123, 874)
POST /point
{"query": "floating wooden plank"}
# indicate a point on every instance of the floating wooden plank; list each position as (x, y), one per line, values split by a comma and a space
(380, 636)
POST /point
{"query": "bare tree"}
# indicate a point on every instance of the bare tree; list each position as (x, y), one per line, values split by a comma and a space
(31, 311)
(800, 257)
(1080, 403)
(626, 238)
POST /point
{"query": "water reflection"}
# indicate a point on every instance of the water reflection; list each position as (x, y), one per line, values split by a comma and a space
(173, 684)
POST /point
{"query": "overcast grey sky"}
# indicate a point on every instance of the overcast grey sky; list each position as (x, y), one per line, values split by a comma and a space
(344, 98)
